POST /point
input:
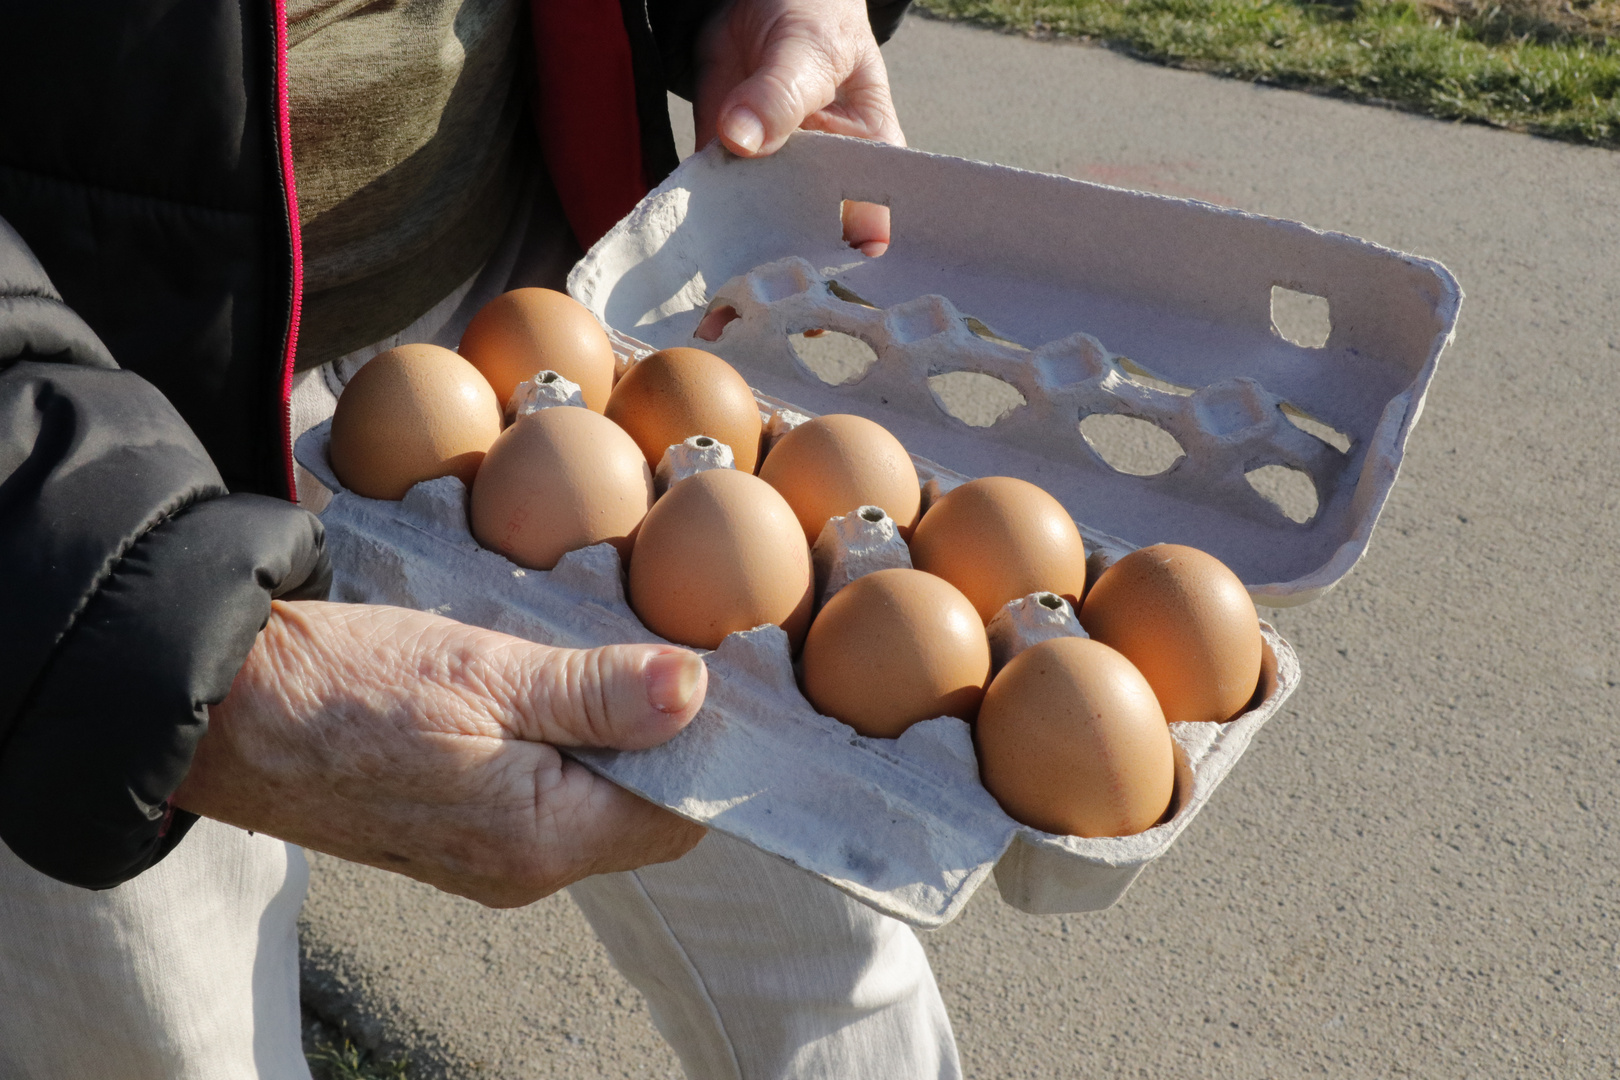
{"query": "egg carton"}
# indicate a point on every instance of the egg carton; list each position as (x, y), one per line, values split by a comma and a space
(1086, 299)
(902, 825)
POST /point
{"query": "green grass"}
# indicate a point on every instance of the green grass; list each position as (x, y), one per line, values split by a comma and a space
(349, 1062)
(1543, 66)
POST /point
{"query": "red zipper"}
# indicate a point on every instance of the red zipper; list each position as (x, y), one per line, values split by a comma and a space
(289, 192)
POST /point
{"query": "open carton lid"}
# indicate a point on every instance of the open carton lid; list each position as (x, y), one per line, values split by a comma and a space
(1087, 300)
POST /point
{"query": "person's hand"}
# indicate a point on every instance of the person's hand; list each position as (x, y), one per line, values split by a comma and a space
(423, 746)
(769, 67)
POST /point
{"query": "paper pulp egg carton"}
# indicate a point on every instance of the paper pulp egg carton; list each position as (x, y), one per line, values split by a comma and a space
(1048, 284)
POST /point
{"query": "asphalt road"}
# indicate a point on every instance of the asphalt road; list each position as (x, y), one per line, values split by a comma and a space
(1414, 869)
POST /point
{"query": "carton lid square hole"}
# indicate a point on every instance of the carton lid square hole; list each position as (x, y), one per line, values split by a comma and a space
(1129, 444)
(866, 226)
(832, 357)
(1290, 490)
(974, 398)
(1300, 317)
(714, 323)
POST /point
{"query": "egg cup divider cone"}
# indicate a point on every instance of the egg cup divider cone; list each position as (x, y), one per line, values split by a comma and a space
(696, 454)
(855, 544)
(1086, 277)
(1029, 620)
(547, 390)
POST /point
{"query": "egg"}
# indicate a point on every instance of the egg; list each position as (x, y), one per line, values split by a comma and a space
(526, 331)
(832, 465)
(895, 647)
(998, 538)
(556, 480)
(1187, 623)
(1072, 741)
(413, 413)
(672, 395)
(721, 552)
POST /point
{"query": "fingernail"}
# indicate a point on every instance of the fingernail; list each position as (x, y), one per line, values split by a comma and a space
(744, 129)
(672, 679)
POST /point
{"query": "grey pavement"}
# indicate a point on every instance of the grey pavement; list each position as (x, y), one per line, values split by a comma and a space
(1414, 869)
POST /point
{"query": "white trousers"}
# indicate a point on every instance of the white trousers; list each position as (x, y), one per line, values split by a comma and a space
(187, 972)
(752, 970)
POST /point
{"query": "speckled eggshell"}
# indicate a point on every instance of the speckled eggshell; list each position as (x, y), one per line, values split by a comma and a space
(719, 553)
(1071, 741)
(833, 465)
(526, 331)
(413, 413)
(1187, 623)
(557, 480)
(672, 395)
(895, 647)
(998, 538)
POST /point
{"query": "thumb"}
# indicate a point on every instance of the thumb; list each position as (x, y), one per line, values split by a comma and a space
(795, 79)
(618, 697)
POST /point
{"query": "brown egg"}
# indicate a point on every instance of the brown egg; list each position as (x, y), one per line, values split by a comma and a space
(1187, 623)
(895, 647)
(413, 413)
(721, 552)
(557, 480)
(526, 331)
(1071, 741)
(833, 465)
(998, 538)
(675, 394)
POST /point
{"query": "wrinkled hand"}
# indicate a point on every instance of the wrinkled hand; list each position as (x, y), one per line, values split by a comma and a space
(423, 746)
(769, 67)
